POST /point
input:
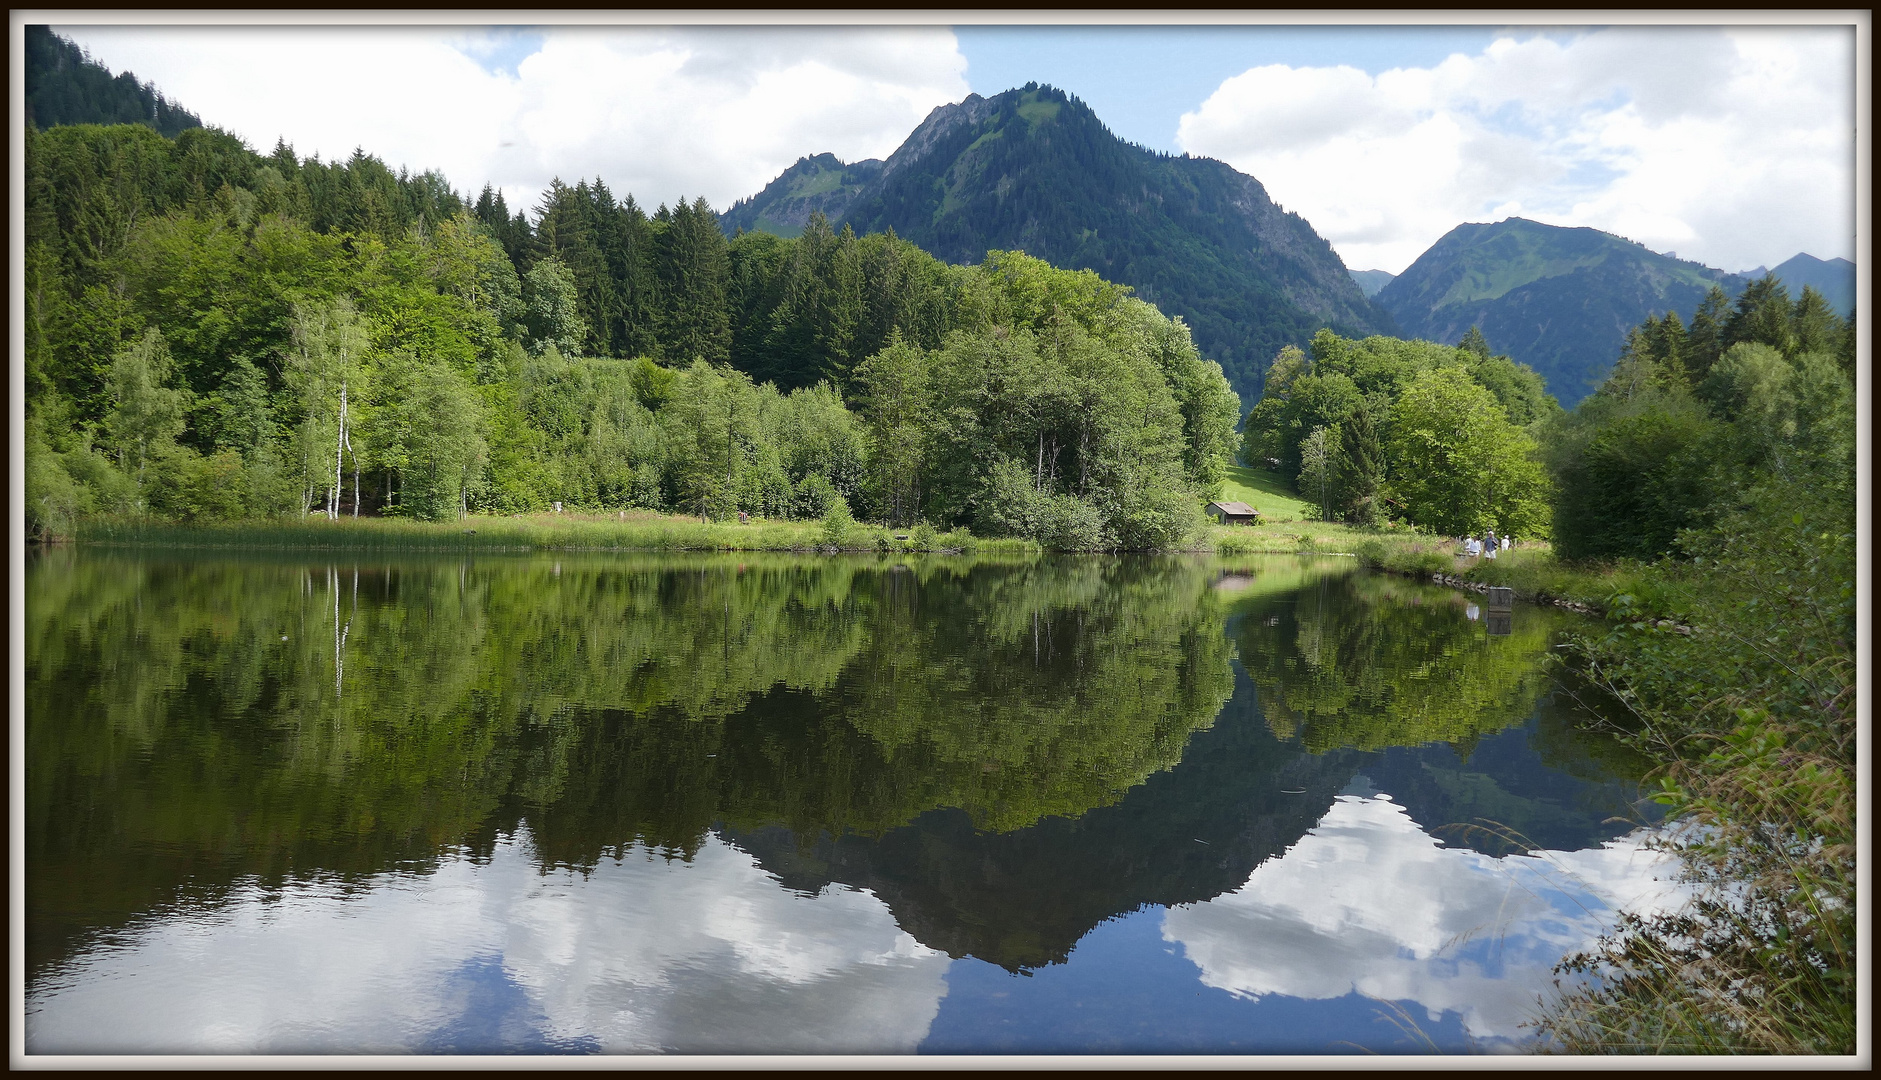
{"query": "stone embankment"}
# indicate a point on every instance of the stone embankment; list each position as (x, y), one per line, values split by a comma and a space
(1456, 582)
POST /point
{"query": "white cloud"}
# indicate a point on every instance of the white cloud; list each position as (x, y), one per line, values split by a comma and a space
(1735, 147)
(1368, 901)
(644, 954)
(660, 113)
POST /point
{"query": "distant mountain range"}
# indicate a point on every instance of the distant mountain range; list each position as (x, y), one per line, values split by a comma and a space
(1559, 300)
(1370, 281)
(1034, 169)
(1833, 278)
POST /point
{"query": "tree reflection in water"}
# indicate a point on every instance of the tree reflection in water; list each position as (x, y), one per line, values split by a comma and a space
(1006, 752)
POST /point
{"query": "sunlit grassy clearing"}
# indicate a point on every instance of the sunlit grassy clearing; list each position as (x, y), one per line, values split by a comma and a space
(1265, 491)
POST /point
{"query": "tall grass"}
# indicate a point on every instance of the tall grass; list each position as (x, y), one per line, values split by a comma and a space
(536, 532)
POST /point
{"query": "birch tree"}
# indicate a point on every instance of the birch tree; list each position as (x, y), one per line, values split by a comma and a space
(326, 370)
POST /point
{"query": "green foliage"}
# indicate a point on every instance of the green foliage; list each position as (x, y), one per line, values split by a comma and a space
(368, 343)
(550, 312)
(1359, 469)
(1687, 416)
(444, 447)
(1350, 389)
(691, 267)
(1632, 472)
(1738, 662)
(892, 386)
(837, 520)
(1320, 457)
(1459, 465)
(146, 416)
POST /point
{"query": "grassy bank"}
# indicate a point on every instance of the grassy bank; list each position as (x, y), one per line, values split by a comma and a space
(634, 531)
(1531, 571)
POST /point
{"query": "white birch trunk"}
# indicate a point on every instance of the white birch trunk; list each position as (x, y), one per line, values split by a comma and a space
(339, 445)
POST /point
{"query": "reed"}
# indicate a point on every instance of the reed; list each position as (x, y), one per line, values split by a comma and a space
(535, 532)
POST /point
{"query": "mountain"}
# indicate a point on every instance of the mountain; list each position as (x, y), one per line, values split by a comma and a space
(1833, 278)
(1370, 281)
(64, 86)
(1034, 169)
(814, 184)
(1559, 300)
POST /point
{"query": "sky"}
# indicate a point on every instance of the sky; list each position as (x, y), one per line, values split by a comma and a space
(1384, 138)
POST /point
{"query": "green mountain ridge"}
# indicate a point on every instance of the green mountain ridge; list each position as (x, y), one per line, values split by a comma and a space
(1560, 300)
(1034, 169)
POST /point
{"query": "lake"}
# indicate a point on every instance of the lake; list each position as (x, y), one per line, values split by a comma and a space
(634, 803)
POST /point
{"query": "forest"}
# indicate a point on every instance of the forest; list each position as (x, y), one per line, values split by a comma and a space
(214, 334)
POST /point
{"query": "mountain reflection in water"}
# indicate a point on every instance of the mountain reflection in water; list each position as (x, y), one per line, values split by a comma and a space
(609, 803)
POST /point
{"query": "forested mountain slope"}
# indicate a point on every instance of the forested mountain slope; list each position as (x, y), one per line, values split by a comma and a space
(814, 185)
(1559, 300)
(64, 86)
(1034, 169)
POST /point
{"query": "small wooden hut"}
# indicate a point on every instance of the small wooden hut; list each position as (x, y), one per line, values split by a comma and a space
(1234, 513)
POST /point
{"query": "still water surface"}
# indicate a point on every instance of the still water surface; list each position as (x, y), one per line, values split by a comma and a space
(579, 804)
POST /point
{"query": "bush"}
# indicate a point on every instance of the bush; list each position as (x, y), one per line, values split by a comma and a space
(53, 499)
(814, 497)
(837, 521)
(187, 486)
(1067, 523)
(1635, 476)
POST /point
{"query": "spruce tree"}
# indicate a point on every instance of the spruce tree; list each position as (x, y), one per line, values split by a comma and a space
(1704, 341)
(1360, 468)
(1814, 325)
(693, 271)
(1762, 316)
(1666, 339)
(1474, 342)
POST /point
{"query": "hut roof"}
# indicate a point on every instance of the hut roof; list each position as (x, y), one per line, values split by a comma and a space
(1234, 509)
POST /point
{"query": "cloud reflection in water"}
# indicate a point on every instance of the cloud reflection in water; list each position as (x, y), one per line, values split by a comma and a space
(1368, 901)
(641, 955)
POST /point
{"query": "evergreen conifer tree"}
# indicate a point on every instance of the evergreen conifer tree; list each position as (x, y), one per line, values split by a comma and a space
(1762, 316)
(1475, 342)
(1360, 468)
(1704, 341)
(1814, 325)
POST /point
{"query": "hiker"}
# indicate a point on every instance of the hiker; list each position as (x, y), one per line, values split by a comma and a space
(1489, 543)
